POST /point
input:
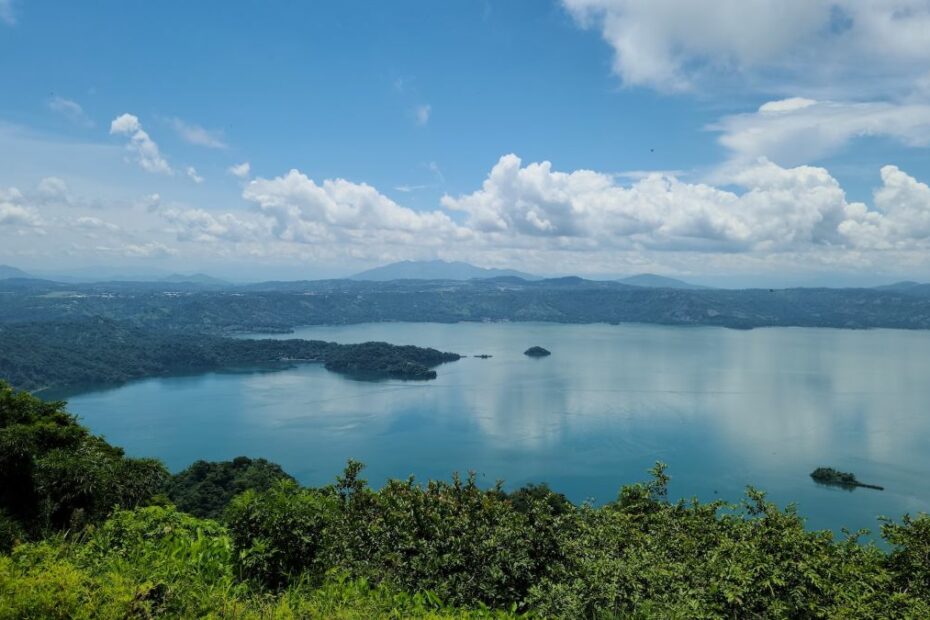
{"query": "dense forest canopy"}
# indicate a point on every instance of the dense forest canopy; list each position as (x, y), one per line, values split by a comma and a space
(205, 488)
(281, 306)
(57, 354)
(86, 531)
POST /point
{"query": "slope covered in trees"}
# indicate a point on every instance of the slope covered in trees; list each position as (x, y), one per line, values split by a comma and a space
(111, 547)
(281, 306)
(42, 355)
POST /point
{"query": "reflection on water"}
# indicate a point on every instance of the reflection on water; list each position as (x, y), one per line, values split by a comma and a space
(724, 408)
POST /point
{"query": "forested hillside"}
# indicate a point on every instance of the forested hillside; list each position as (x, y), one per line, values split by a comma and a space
(59, 354)
(281, 306)
(87, 532)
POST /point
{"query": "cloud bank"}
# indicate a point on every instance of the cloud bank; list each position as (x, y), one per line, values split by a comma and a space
(799, 130)
(844, 46)
(523, 214)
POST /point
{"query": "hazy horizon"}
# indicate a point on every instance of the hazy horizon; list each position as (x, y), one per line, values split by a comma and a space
(101, 272)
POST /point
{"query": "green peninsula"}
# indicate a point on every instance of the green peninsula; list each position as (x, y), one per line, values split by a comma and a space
(98, 351)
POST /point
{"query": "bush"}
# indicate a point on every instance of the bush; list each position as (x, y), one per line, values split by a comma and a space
(204, 489)
(467, 545)
(55, 475)
(909, 559)
(645, 557)
(279, 535)
(58, 579)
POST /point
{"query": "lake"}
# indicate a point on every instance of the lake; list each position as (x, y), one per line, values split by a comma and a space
(723, 408)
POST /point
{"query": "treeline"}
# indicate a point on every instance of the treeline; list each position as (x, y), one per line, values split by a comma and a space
(90, 533)
(205, 488)
(57, 354)
(277, 307)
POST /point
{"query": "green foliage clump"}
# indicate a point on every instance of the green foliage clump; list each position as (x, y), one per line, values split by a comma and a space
(909, 560)
(205, 488)
(157, 562)
(55, 475)
(526, 498)
(280, 534)
(468, 545)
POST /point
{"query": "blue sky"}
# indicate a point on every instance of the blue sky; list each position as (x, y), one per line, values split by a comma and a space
(786, 143)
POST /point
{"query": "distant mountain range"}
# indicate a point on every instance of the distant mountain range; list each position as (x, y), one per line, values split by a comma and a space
(650, 280)
(194, 278)
(12, 272)
(436, 270)
(457, 270)
(908, 287)
(281, 306)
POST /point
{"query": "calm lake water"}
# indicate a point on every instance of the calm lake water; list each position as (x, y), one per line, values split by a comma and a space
(723, 408)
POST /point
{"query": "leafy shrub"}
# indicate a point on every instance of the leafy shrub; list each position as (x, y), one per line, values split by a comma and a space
(280, 534)
(467, 545)
(55, 475)
(57, 579)
(645, 557)
(204, 489)
(909, 559)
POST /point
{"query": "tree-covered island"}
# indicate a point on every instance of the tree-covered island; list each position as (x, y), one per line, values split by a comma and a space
(830, 476)
(537, 352)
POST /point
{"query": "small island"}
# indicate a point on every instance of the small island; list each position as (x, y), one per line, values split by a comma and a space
(828, 475)
(536, 352)
(483, 356)
(379, 360)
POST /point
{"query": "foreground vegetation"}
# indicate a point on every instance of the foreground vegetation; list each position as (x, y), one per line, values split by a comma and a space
(60, 354)
(90, 533)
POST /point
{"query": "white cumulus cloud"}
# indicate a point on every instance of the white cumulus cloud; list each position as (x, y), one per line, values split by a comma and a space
(306, 211)
(202, 226)
(14, 211)
(141, 146)
(795, 131)
(901, 218)
(778, 210)
(833, 45)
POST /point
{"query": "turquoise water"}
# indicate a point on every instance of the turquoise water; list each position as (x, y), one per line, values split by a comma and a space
(723, 408)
